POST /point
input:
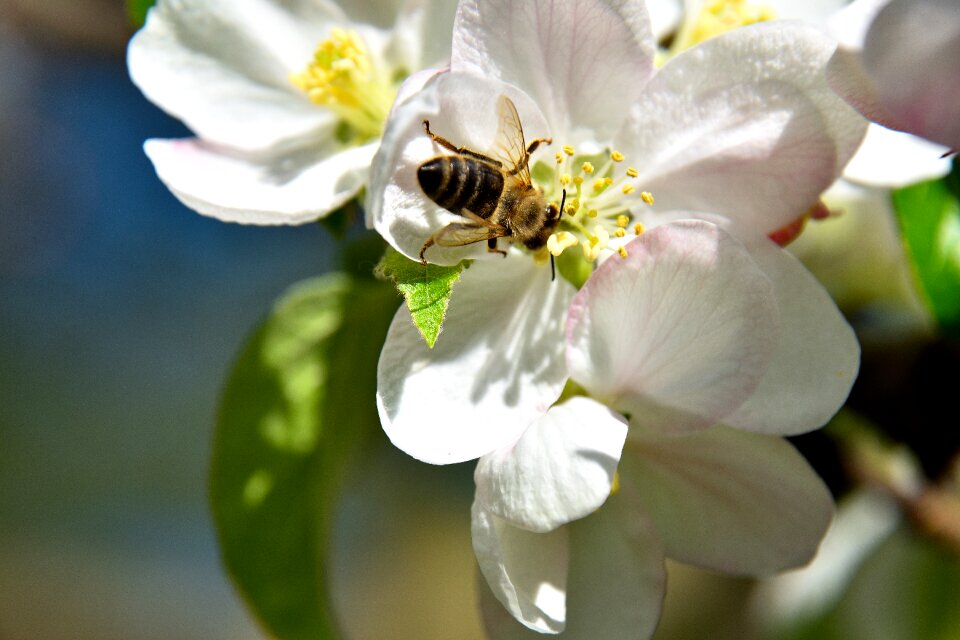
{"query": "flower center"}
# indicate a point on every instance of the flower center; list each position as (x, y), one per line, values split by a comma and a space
(719, 16)
(342, 77)
(600, 194)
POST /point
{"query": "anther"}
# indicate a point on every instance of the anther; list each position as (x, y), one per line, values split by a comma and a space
(622, 251)
(622, 220)
(616, 156)
(632, 172)
(638, 228)
(647, 197)
(627, 189)
(567, 149)
(587, 167)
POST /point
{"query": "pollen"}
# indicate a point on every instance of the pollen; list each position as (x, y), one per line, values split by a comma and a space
(587, 167)
(558, 157)
(638, 228)
(567, 149)
(622, 251)
(647, 197)
(342, 77)
(623, 220)
(565, 179)
(559, 241)
(632, 172)
(578, 180)
(627, 189)
(616, 156)
(592, 213)
(619, 233)
(719, 16)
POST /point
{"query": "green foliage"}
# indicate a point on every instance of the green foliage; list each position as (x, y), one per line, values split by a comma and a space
(929, 217)
(426, 288)
(137, 11)
(297, 409)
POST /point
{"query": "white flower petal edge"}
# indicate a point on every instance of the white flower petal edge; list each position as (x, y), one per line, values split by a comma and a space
(729, 500)
(526, 571)
(583, 62)
(911, 52)
(743, 125)
(277, 190)
(561, 469)
(497, 366)
(615, 564)
(895, 159)
(817, 356)
(679, 333)
(222, 67)
(462, 109)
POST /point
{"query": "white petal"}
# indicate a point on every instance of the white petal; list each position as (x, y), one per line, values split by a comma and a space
(233, 187)
(561, 468)
(526, 571)
(816, 12)
(460, 108)
(850, 25)
(730, 500)
(679, 333)
(497, 366)
(665, 17)
(894, 159)
(743, 125)
(223, 67)
(817, 357)
(616, 581)
(911, 52)
(583, 62)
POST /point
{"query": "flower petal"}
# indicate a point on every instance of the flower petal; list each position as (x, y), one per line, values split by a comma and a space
(497, 366)
(743, 125)
(679, 333)
(561, 468)
(911, 53)
(817, 357)
(894, 159)
(526, 571)
(730, 500)
(583, 62)
(462, 109)
(616, 580)
(233, 187)
(223, 68)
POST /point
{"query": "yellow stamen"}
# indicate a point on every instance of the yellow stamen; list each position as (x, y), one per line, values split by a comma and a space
(592, 213)
(638, 228)
(342, 77)
(565, 179)
(627, 189)
(619, 233)
(567, 149)
(647, 197)
(578, 180)
(559, 241)
(616, 156)
(622, 251)
(719, 16)
(622, 220)
(632, 172)
(559, 157)
(587, 167)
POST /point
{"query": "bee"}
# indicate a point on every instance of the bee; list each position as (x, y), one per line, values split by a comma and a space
(492, 193)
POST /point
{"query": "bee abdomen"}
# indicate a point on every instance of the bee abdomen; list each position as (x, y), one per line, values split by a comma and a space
(457, 183)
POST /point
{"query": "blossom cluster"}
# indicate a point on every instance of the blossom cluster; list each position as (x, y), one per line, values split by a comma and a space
(633, 411)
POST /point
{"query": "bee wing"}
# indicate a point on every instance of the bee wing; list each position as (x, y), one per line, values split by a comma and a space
(509, 146)
(458, 234)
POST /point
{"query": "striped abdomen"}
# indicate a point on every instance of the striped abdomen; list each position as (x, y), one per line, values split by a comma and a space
(457, 183)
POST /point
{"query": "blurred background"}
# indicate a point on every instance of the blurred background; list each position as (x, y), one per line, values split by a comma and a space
(121, 312)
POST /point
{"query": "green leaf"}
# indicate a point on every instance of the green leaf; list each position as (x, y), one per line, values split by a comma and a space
(426, 288)
(929, 217)
(297, 409)
(137, 11)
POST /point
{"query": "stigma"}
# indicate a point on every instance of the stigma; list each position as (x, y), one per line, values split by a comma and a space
(343, 77)
(600, 192)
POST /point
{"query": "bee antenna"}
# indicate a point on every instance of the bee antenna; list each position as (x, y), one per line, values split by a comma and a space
(563, 201)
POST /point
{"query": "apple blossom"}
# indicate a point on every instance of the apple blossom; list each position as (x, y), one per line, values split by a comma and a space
(287, 100)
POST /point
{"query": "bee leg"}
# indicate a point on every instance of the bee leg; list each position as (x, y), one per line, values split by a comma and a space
(426, 245)
(492, 247)
(464, 151)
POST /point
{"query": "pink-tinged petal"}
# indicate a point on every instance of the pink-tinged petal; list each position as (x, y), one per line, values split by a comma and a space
(729, 500)
(850, 81)
(561, 468)
(235, 187)
(497, 366)
(615, 585)
(849, 26)
(743, 125)
(679, 333)
(463, 110)
(526, 571)
(223, 67)
(583, 62)
(816, 12)
(817, 356)
(894, 159)
(912, 54)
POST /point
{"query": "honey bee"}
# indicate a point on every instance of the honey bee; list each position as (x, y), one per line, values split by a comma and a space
(492, 193)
